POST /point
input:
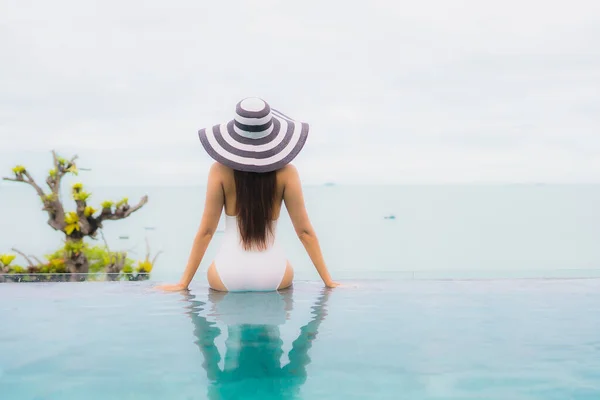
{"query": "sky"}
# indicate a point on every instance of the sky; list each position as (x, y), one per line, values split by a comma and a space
(430, 91)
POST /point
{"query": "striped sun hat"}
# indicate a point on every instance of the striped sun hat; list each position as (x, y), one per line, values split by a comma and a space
(258, 139)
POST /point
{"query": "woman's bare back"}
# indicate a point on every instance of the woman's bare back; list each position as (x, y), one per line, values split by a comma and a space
(229, 192)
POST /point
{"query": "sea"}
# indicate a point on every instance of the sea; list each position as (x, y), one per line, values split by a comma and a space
(366, 232)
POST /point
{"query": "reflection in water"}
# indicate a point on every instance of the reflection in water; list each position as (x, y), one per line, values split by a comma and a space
(252, 364)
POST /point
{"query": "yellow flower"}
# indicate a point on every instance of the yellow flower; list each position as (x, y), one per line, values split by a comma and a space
(122, 202)
(81, 195)
(71, 227)
(72, 221)
(144, 266)
(73, 169)
(71, 218)
(6, 259)
(50, 197)
(19, 169)
(78, 186)
(57, 262)
(89, 211)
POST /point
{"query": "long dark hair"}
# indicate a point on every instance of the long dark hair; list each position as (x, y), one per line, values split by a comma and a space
(255, 198)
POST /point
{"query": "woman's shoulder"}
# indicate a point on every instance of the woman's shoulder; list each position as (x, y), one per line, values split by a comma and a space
(288, 175)
(220, 170)
(288, 170)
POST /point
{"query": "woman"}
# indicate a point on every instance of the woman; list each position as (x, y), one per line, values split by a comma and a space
(250, 180)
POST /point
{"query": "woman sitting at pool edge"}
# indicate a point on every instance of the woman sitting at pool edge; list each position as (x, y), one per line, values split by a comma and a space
(251, 180)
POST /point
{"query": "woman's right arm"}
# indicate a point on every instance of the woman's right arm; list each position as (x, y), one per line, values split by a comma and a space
(294, 202)
(213, 207)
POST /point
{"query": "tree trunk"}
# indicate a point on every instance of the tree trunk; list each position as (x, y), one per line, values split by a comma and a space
(77, 263)
(116, 266)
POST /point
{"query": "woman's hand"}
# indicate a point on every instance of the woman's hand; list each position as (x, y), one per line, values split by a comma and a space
(172, 288)
(332, 284)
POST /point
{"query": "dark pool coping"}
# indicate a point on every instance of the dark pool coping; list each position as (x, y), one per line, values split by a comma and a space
(91, 277)
(437, 275)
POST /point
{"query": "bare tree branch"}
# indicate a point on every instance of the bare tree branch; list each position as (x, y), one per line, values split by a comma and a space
(51, 180)
(51, 205)
(156, 257)
(148, 252)
(40, 262)
(83, 220)
(63, 169)
(122, 212)
(104, 240)
(29, 181)
(54, 183)
(60, 170)
(24, 256)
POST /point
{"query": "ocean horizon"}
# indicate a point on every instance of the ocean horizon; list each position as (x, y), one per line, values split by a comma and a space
(366, 231)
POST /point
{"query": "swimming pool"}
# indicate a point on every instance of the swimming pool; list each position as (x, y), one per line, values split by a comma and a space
(379, 339)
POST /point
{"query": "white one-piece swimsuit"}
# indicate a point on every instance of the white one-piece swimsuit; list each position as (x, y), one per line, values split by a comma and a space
(249, 270)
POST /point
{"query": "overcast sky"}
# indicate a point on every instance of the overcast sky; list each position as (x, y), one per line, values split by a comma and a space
(395, 91)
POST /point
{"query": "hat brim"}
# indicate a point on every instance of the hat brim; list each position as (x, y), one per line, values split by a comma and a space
(266, 154)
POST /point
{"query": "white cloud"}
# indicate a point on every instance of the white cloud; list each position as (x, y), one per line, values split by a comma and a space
(430, 91)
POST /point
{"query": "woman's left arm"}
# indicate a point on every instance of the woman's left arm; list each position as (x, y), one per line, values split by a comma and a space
(210, 219)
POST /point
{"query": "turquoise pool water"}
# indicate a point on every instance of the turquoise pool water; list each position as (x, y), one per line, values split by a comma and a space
(376, 339)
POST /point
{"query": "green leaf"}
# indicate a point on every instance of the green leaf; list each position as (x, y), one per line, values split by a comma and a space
(75, 247)
(17, 269)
